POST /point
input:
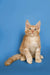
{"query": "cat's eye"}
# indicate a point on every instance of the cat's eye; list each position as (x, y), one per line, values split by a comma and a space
(35, 29)
(29, 28)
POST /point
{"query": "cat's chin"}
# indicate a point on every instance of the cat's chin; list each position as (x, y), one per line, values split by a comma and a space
(32, 35)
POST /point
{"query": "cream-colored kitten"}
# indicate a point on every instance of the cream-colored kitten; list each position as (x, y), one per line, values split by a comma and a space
(30, 47)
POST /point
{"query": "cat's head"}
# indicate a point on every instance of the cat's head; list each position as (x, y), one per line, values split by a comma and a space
(32, 30)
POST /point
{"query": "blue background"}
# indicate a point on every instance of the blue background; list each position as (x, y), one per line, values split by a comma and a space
(13, 15)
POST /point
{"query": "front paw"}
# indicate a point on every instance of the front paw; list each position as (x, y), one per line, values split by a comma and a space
(38, 60)
(29, 60)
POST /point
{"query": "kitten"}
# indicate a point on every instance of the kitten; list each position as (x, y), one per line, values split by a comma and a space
(30, 47)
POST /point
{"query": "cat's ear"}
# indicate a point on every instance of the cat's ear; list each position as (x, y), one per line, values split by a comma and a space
(27, 24)
(38, 26)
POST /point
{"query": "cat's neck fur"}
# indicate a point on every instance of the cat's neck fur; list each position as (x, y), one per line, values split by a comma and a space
(36, 35)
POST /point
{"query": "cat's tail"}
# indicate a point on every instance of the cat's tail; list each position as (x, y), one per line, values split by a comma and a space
(12, 59)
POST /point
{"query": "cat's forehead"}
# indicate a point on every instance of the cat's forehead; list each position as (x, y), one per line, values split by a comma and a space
(32, 26)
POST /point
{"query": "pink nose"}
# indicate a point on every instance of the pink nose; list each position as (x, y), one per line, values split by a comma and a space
(32, 31)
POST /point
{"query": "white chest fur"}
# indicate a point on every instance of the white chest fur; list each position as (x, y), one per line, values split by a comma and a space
(33, 41)
(33, 44)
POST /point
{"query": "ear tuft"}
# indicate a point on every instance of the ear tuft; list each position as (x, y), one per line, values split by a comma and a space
(38, 24)
(27, 24)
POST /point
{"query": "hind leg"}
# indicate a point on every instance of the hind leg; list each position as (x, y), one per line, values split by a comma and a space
(41, 57)
(23, 58)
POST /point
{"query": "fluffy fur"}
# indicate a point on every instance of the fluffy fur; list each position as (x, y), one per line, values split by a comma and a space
(30, 47)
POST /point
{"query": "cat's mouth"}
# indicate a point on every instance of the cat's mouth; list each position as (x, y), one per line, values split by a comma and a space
(32, 32)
